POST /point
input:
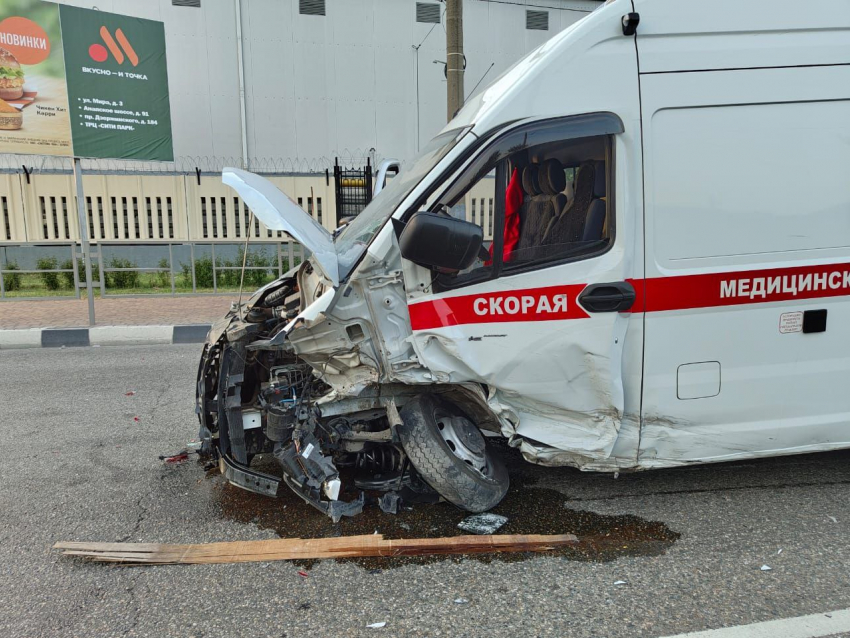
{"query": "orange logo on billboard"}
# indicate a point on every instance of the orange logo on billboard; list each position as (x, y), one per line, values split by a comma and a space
(99, 53)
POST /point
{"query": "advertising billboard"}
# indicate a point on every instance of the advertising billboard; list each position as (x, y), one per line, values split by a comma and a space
(33, 95)
(82, 82)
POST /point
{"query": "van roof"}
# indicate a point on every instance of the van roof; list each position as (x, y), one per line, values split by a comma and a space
(673, 36)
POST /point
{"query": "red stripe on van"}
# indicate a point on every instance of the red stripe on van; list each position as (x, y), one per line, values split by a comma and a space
(739, 288)
(657, 294)
(553, 303)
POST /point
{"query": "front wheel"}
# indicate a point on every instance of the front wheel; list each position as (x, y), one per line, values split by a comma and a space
(451, 454)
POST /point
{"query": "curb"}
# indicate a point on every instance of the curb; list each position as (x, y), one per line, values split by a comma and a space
(102, 336)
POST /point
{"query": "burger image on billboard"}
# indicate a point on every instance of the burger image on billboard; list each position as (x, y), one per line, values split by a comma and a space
(10, 118)
(11, 76)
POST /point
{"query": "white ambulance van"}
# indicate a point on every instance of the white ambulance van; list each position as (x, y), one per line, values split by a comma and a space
(631, 251)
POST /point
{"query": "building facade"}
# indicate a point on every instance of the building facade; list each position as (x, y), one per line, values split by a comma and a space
(318, 79)
(326, 78)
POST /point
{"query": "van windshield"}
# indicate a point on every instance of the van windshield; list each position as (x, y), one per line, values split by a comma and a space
(351, 243)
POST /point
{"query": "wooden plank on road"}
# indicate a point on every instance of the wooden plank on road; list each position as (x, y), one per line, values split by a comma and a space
(371, 545)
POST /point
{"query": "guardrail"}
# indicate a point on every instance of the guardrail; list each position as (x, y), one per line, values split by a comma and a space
(152, 268)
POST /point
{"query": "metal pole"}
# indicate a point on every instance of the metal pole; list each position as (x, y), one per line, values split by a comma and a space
(192, 259)
(171, 267)
(279, 261)
(241, 68)
(454, 56)
(101, 276)
(76, 271)
(84, 235)
(416, 71)
(215, 281)
(244, 261)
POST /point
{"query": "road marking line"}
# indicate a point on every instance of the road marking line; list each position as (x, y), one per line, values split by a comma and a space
(812, 626)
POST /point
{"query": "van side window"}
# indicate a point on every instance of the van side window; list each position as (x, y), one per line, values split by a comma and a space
(542, 204)
(564, 211)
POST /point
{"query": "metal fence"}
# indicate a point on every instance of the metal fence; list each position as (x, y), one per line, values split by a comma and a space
(154, 268)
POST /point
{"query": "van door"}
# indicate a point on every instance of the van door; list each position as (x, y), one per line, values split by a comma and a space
(748, 256)
(542, 319)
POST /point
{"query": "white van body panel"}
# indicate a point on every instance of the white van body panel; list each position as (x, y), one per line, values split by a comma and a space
(746, 187)
(682, 35)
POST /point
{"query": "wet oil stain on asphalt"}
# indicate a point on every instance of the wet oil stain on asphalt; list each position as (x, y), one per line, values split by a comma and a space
(530, 509)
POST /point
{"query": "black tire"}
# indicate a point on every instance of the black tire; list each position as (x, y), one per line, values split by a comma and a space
(453, 478)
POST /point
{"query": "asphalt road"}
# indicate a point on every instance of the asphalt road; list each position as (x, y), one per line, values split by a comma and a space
(688, 543)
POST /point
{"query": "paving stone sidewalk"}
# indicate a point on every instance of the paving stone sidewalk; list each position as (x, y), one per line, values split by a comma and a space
(127, 311)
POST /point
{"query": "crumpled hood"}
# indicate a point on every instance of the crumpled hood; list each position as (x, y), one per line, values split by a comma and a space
(279, 212)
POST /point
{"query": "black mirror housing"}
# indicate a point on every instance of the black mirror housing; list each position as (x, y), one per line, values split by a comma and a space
(439, 241)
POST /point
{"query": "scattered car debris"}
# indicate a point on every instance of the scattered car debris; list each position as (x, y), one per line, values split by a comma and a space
(482, 523)
(136, 419)
(461, 601)
(131, 393)
(182, 457)
(178, 457)
(832, 518)
(619, 582)
(303, 574)
(298, 548)
(766, 568)
(779, 552)
(376, 625)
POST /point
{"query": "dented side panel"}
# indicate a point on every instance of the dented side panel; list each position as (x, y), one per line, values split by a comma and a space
(564, 382)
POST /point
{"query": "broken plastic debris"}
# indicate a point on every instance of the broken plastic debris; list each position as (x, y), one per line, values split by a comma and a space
(389, 502)
(136, 419)
(303, 574)
(766, 568)
(461, 601)
(832, 518)
(174, 459)
(780, 551)
(619, 582)
(376, 625)
(130, 393)
(482, 523)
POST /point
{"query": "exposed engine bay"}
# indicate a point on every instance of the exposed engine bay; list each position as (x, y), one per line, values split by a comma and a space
(341, 446)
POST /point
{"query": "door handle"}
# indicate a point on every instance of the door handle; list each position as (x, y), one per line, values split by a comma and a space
(614, 297)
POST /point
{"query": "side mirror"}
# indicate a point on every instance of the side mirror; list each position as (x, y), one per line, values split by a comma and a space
(438, 241)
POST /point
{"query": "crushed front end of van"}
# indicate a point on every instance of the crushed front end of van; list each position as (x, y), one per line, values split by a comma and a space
(323, 376)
